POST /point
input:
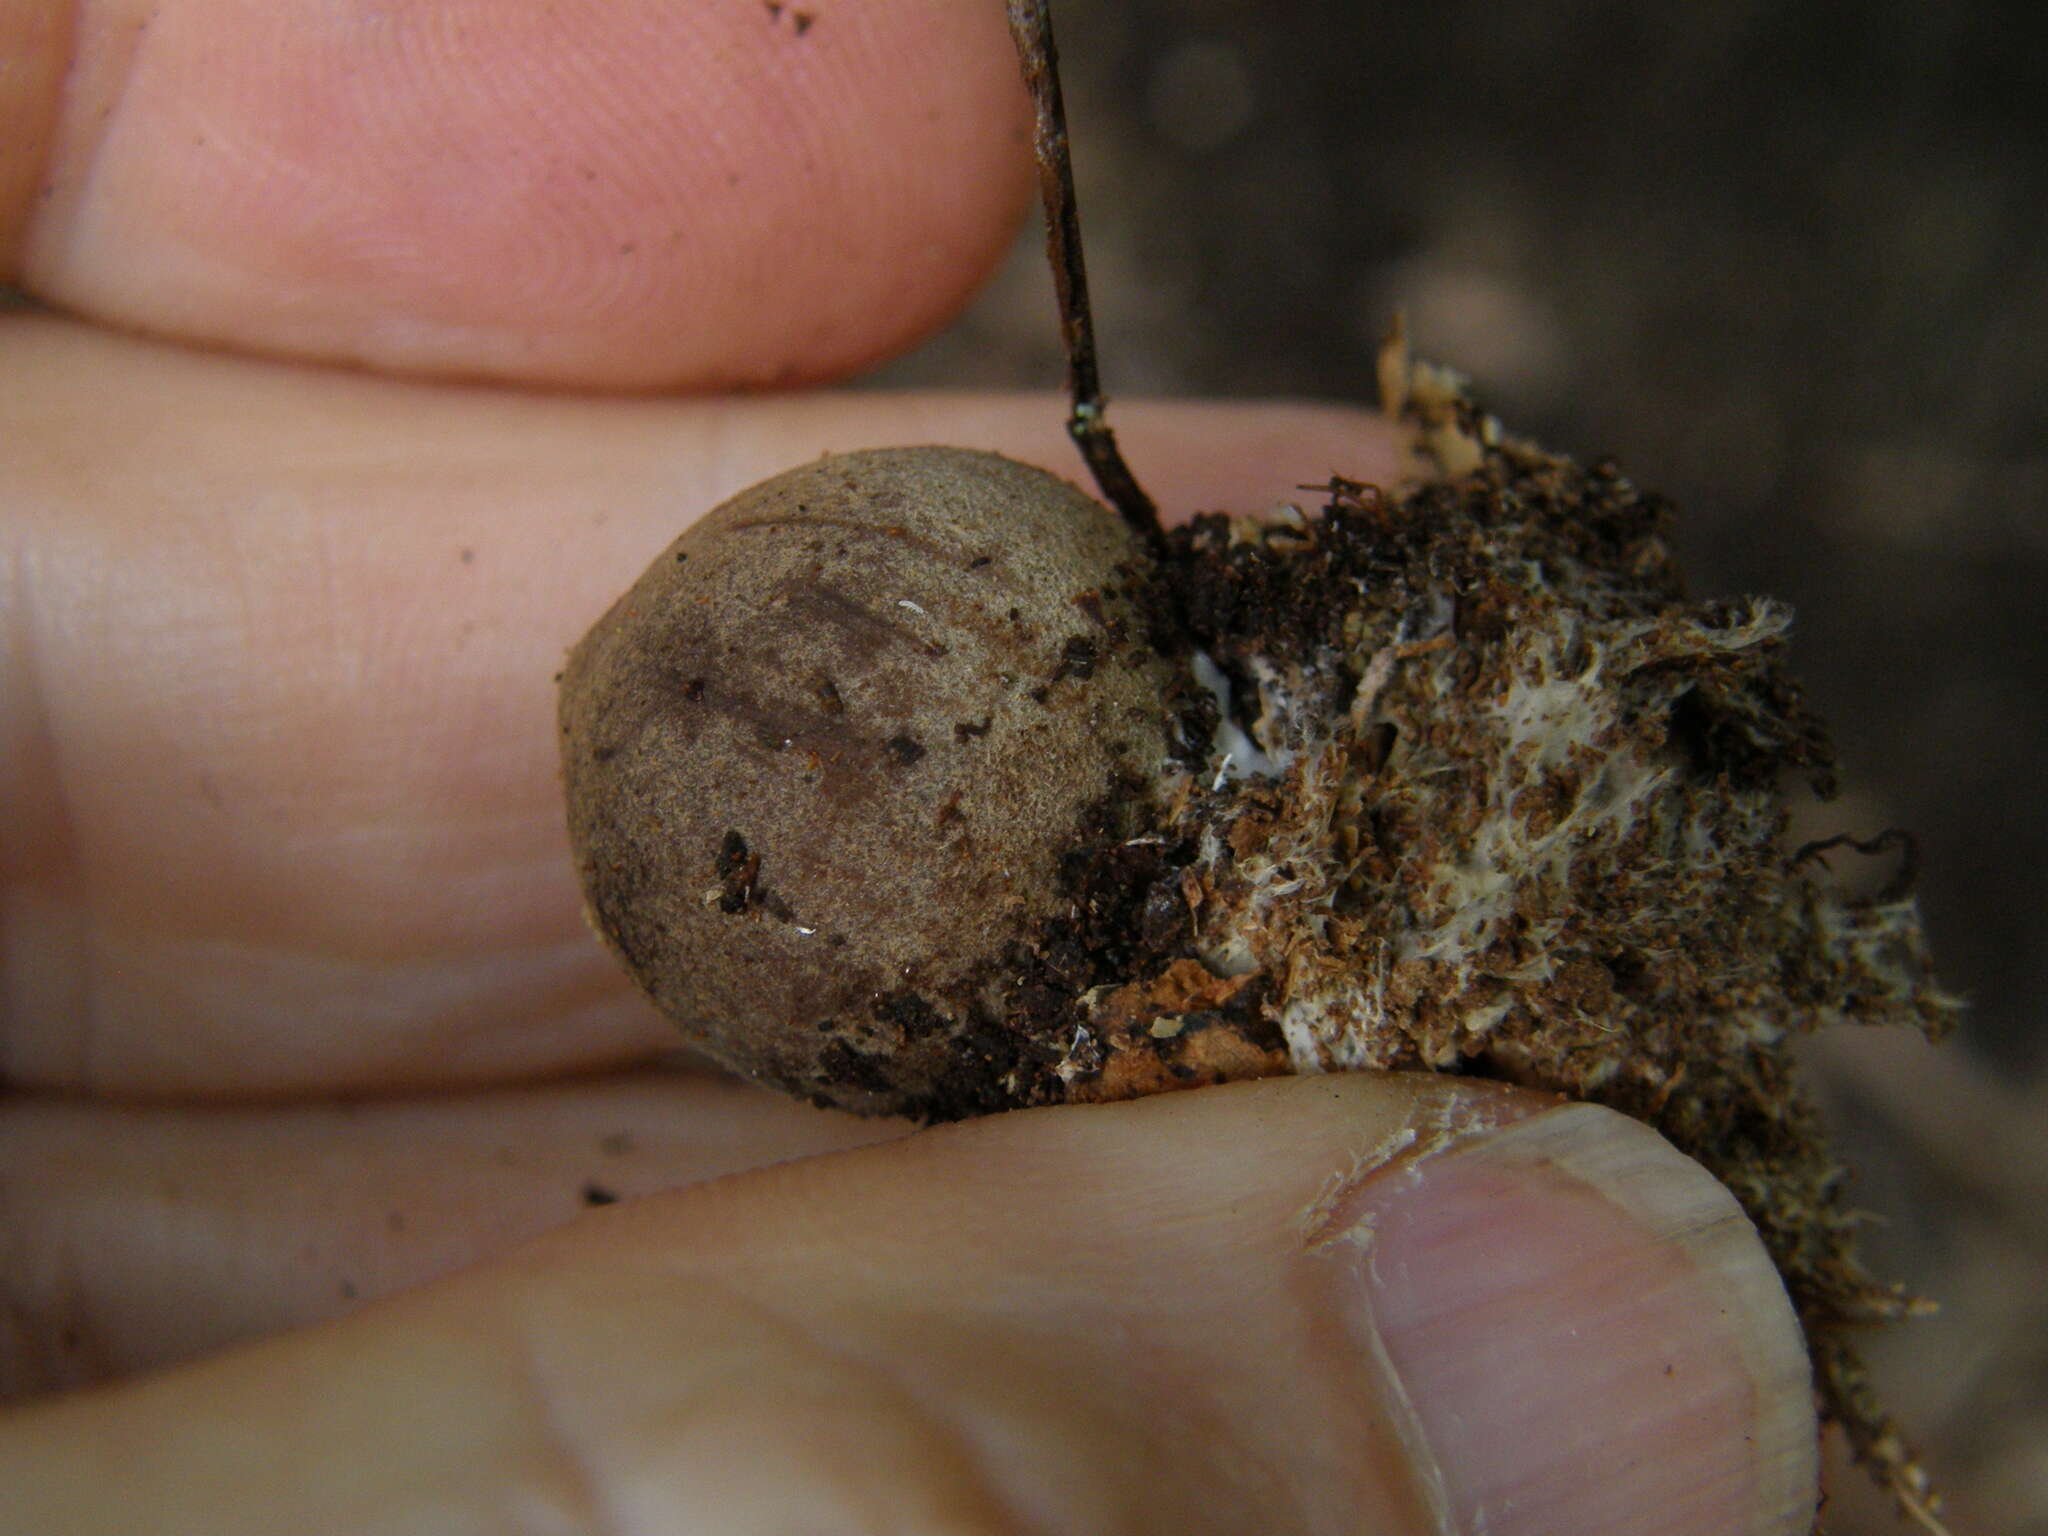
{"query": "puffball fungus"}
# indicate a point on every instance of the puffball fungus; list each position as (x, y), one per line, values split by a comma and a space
(911, 782)
(823, 758)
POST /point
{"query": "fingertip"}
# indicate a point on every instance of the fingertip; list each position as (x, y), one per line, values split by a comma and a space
(602, 193)
(1583, 1332)
(1456, 1304)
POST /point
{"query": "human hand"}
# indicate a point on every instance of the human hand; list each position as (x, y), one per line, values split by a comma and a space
(298, 1006)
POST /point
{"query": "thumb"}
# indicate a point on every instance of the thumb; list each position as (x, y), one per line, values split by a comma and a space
(1338, 1304)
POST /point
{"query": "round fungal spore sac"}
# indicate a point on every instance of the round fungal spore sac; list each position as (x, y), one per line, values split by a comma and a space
(825, 757)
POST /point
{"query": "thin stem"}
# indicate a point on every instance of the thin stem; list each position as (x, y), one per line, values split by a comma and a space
(1031, 26)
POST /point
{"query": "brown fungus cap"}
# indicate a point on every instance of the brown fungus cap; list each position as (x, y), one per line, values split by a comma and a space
(823, 759)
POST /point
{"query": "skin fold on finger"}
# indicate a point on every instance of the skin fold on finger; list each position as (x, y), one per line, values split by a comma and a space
(35, 48)
(277, 729)
(608, 193)
(134, 1237)
(973, 1330)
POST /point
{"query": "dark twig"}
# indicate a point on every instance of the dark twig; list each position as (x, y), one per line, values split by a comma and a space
(1031, 26)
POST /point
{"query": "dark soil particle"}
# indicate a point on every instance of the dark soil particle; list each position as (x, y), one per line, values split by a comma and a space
(910, 1013)
(843, 1064)
(1077, 659)
(736, 866)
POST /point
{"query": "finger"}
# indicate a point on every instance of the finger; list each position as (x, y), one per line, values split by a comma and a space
(1404, 1306)
(277, 732)
(133, 1237)
(584, 192)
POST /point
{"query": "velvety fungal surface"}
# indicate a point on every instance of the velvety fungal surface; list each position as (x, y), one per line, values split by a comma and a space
(824, 758)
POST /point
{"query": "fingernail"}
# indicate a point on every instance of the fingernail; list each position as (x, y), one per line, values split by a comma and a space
(1580, 1332)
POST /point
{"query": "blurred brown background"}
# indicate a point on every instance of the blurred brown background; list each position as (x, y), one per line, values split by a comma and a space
(1789, 263)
